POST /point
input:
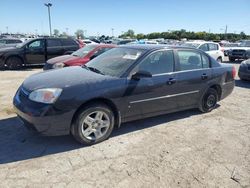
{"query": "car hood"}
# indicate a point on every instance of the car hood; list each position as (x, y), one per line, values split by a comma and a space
(62, 59)
(8, 49)
(64, 78)
(241, 48)
(247, 62)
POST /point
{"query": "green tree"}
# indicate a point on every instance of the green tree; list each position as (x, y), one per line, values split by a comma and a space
(79, 34)
(56, 32)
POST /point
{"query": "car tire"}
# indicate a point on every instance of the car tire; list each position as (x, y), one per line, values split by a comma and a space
(14, 63)
(93, 124)
(219, 59)
(231, 59)
(209, 100)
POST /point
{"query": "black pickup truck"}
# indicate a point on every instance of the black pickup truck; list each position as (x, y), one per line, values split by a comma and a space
(35, 52)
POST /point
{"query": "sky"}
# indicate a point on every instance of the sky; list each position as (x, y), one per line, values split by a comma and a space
(143, 16)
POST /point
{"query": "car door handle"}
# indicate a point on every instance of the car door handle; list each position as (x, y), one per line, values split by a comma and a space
(204, 76)
(171, 81)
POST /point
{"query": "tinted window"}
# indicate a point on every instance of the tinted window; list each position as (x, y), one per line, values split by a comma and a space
(205, 61)
(53, 43)
(36, 44)
(204, 47)
(158, 62)
(213, 46)
(189, 60)
(68, 42)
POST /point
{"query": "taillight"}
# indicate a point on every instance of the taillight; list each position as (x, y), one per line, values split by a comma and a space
(222, 49)
(233, 72)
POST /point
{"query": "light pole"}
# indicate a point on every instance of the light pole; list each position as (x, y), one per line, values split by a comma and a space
(49, 5)
(112, 29)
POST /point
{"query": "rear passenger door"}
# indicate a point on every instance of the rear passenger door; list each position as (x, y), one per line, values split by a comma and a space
(54, 48)
(193, 73)
(213, 50)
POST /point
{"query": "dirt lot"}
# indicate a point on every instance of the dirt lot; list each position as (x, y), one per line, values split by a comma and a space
(186, 149)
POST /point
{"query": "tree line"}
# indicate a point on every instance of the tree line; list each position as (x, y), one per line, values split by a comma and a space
(177, 35)
(183, 34)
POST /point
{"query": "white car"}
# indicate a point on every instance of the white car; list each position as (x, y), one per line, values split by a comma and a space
(211, 48)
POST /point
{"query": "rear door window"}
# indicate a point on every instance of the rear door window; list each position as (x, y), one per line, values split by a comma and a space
(53, 43)
(212, 46)
(68, 42)
(189, 60)
(204, 47)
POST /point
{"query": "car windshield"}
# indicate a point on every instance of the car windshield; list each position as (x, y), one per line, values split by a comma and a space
(191, 45)
(115, 61)
(245, 44)
(84, 51)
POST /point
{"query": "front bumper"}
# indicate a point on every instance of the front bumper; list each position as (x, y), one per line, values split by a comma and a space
(42, 118)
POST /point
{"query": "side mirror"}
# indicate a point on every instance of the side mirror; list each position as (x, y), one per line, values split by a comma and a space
(141, 74)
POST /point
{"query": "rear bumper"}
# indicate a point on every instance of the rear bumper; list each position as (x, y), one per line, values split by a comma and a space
(227, 89)
(43, 118)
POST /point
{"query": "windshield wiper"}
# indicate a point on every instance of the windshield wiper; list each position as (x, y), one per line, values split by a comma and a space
(95, 70)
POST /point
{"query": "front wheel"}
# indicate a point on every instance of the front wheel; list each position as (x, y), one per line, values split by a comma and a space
(14, 63)
(209, 100)
(93, 124)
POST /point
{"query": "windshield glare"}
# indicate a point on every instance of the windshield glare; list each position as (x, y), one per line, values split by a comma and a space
(84, 51)
(115, 61)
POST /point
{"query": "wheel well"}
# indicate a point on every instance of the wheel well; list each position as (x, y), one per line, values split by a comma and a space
(218, 89)
(14, 56)
(107, 102)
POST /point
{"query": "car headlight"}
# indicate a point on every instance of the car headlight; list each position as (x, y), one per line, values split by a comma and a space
(58, 65)
(47, 95)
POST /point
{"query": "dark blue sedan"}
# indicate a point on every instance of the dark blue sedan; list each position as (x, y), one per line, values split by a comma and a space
(124, 84)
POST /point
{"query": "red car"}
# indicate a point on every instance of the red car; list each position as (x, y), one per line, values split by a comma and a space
(79, 57)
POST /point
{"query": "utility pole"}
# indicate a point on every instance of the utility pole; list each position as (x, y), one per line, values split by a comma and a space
(49, 5)
(112, 29)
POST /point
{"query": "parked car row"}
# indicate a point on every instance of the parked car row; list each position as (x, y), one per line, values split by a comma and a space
(123, 84)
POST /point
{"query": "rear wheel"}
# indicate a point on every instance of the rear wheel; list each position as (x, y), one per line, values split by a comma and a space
(209, 100)
(219, 60)
(93, 124)
(14, 63)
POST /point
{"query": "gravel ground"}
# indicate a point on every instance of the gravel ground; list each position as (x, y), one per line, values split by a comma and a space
(185, 149)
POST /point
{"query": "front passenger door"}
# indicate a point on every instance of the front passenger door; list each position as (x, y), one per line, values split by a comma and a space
(153, 95)
(35, 52)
